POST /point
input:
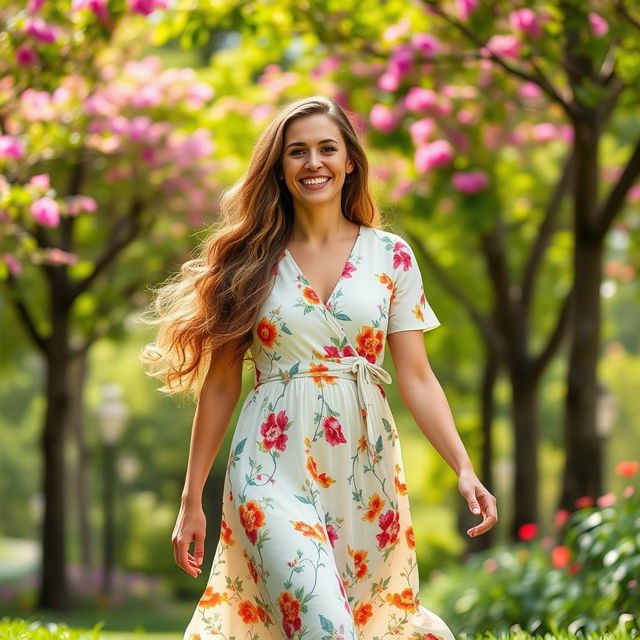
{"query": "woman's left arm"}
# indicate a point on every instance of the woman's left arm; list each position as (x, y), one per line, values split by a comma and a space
(421, 392)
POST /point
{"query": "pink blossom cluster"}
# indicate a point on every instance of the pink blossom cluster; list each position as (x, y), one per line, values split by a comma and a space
(38, 31)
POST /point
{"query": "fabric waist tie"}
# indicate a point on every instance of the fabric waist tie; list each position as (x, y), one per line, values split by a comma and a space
(357, 368)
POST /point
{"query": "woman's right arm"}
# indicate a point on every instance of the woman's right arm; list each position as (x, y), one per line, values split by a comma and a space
(218, 397)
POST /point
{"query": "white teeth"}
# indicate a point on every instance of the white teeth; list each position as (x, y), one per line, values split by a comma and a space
(315, 180)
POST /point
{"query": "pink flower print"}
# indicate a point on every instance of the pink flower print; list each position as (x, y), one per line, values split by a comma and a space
(389, 522)
(273, 431)
(348, 270)
(347, 352)
(333, 535)
(333, 431)
(332, 351)
(401, 257)
(344, 594)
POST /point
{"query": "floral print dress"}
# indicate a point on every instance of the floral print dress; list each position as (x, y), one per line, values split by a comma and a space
(316, 538)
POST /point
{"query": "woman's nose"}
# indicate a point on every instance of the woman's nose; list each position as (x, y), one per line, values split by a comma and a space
(313, 160)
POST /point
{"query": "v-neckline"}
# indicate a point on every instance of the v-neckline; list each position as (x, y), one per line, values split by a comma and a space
(340, 278)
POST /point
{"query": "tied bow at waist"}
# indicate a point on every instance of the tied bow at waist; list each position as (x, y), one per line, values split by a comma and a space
(357, 368)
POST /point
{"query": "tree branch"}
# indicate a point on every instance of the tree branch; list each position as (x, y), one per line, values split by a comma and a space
(131, 221)
(623, 11)
(25, 315)
(540, 79)
(456, 292)
(612, 204)
(539, 362)
(546, 230)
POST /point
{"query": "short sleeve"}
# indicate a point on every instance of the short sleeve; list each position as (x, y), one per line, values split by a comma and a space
(408, 308)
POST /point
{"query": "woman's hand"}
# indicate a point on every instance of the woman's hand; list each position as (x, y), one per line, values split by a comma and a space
(480, 500)
(190, 527)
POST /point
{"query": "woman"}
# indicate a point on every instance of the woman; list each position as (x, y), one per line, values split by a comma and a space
(316, 538)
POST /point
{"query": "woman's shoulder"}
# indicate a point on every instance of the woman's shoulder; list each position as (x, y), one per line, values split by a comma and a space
(390, 240)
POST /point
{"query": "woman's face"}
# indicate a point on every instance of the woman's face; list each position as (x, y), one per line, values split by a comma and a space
(314, 148)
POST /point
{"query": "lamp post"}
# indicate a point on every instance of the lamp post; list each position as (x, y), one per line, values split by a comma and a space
(112, 415)
(606, 416)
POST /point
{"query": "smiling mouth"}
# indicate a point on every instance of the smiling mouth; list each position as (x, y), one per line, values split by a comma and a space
(314, 186)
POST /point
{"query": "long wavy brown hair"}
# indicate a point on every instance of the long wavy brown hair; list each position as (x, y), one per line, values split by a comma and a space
(216, 296)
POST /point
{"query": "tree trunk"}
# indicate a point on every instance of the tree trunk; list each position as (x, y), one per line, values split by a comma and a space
(525, 423)
(77, 376)
(583, 469)
(54, 591)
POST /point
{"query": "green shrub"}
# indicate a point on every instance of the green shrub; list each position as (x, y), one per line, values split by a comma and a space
(586, 579)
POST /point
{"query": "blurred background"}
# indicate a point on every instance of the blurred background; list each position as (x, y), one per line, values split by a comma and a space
(504, 145)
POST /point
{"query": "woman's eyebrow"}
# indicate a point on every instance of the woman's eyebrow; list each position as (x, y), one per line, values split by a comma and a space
(302, 144)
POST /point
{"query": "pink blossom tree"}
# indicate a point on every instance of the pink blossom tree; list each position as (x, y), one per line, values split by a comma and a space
(105, 166)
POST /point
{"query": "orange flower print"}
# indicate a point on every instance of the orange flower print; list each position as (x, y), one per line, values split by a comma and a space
(359, 562)
(375, 506)
(389, 522)
(402, 600)
(411, 541)
(385, 280)
(266, 332)
(290, 609)
(318, 375)
(195, 636)
(361, 614)
(400, 486)
(417, 312)
(333, 431)
(321, 478)
(211, 598)
(310, 295)
(225, 533)
(369, 343)
(252, 518)
(248, 612)
(316, 531)
(362, 443)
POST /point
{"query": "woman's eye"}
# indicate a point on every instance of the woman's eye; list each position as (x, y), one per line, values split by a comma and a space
(295, 151)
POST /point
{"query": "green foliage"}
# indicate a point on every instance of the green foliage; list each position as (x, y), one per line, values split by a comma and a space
(17, 629)
(586, 581)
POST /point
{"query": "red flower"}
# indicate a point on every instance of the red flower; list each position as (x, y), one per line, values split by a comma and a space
(290, 609)
(389, 522)
(333, 431)
(573, 567)
(344, 594)
(627, 468)
(333, 536)
(401, 257)
(273, 431)
(584, 501)
(528, 531)
(560, 556)
(562, 515)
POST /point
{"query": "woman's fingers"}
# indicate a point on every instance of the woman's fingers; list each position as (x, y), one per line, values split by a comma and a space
(489, 512)
(183, 558)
